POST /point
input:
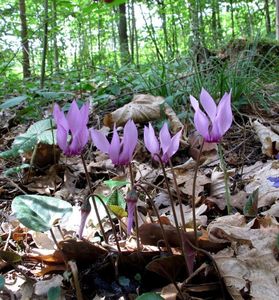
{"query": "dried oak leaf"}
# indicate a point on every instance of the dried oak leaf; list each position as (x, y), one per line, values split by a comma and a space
(250, 269)
(143, 108)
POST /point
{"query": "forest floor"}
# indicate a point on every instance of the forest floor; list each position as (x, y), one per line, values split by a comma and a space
(236, 255)
(244, 244)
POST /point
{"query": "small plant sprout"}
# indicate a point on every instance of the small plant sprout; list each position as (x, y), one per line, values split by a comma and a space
(212, 124)
(72, 132)
(119, 151)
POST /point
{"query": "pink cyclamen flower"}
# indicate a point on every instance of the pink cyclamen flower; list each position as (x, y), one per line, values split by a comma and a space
(119, 151)
(216, 120)
(167, 146)
(73, 124)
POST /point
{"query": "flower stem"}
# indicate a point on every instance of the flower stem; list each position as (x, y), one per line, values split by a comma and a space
(136, 211)
(179, 232)
(178, 195)
(158, 217)
(226, 179)
(194, 193)
(111, 222)
(93, 199)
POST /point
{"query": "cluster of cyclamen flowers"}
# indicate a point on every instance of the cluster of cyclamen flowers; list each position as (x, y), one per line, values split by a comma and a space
(73, 133)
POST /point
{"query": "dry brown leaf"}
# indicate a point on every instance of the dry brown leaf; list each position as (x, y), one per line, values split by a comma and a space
(141, 109)
(185, 178)
(188, 216)
(169, 292)
(268, 138)
(175, 123)
(273, 211)
(249, 268)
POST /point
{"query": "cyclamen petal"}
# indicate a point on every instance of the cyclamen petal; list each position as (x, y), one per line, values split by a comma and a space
(73, 117)
(72, 133)
(130, 138)
(216, 120)
(169, 145)
(208, 104)
(119, 151)
(224, 114)
(114, 149)
(99, 140)
(174, 145)
(150, 140)
(165, 138)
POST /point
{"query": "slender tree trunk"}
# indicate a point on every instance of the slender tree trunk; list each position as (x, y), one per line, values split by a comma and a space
(232, 18)
(174, 29)
(214, 23)
(267, 17)
(151, 32)
(134, 34)
(194, 16)
(162, 13)
(24, 40)
(123, 35)
(55, 46)
(277, 19)
(45, 40)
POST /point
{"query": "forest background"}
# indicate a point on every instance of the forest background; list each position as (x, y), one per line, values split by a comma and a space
(113, 49)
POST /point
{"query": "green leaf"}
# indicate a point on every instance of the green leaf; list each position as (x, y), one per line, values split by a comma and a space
(149, 296)
(116, 198)
(10, 257)
(13, 102)
(38, 132)
(54, 293)
(124, 281)
(251, 206)
(39, 212)
(16, 169)
(115, 183)
(118, 211)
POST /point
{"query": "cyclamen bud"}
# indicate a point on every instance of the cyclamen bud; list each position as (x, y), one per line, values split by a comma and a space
(131, 200)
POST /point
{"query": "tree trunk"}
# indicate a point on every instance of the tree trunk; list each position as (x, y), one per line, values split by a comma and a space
(214, 23)
(123, 36)
(45, 38)
(24, 40)
(232, 18)
(267, 17)
(277, 20)
(55, 47)
(162, 14)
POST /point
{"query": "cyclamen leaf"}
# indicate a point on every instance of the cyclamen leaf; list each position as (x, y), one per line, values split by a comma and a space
(149, 296)
(39, 212)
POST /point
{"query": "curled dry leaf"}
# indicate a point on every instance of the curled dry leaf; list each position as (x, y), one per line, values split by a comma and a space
(268, 138)
(142, 109)
(250, 269)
